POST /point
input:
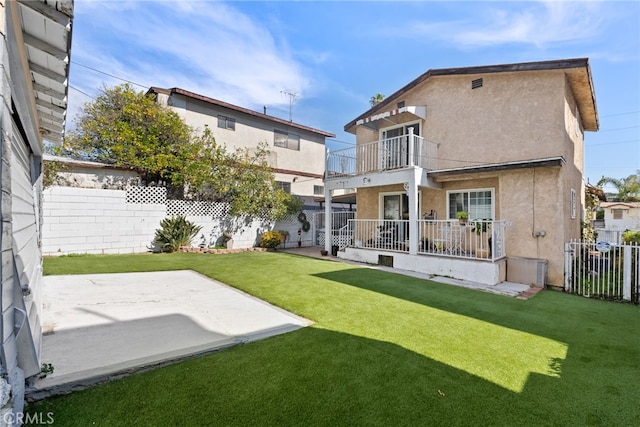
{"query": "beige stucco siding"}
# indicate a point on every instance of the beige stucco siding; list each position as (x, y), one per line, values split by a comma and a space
(508, 118)
(302, 168)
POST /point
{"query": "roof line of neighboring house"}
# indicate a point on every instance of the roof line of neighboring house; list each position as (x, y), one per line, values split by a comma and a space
(223, 104)
(625, 204)
(492, 167)
(586, 99)
(96, 165)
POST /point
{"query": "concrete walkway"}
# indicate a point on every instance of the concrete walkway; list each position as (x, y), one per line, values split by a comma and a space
(517, 290)
(103, 326)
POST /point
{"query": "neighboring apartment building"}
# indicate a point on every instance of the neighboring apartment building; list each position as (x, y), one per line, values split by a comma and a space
(621, 216)
(503, 143)
(36, 43)
(296, 151)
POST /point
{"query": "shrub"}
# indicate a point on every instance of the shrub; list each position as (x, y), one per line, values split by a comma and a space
(270, 239)
(631, 237)
(175, 232)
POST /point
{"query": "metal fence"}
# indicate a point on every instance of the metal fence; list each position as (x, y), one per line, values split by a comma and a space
(603, 270)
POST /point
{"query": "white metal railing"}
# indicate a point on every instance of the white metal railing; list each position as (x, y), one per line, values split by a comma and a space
(339, 220)
(387, 154)
(603, 270)
(482, 239)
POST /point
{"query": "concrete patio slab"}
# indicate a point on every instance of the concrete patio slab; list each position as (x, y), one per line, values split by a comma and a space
(101, 326)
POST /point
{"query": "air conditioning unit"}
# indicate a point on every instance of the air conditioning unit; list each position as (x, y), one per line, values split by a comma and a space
(528, 271)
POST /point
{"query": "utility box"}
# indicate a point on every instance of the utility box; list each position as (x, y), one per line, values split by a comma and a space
(528, 271)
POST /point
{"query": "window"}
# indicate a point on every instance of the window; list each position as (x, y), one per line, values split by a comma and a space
(479, 203)
(617, 213)
(286, 140)
(318, 190)
(284, 186)
(226, 122)
(572, 204)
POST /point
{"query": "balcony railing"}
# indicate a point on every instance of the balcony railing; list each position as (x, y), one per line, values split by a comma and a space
(387, 154)
(475, 240)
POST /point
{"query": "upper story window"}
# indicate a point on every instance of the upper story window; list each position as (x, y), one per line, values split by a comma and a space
(286, 140)
(225, 122)
(284, 186)
(478, 203)
(318, 190)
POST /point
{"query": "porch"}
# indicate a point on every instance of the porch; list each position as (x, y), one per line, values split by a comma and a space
(472, 251)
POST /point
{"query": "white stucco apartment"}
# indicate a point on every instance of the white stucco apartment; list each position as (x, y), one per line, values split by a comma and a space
(297, 151)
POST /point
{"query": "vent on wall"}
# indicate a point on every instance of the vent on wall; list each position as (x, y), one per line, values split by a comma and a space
(475, 84)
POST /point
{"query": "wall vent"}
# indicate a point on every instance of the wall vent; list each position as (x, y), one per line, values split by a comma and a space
(475, 84)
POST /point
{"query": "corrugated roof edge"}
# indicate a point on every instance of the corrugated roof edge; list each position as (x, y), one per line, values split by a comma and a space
(214, 101)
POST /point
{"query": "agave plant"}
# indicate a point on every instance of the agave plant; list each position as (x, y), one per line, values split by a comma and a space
(175, 232)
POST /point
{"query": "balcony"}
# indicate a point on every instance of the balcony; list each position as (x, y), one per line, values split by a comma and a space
(385, 155)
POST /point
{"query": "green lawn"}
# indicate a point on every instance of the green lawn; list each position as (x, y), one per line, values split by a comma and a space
(385, 349)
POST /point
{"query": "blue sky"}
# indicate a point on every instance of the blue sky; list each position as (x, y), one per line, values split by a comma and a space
(335, 55)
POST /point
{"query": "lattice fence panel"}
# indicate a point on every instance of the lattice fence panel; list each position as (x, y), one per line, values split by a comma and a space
(197, 208)
(147, 195)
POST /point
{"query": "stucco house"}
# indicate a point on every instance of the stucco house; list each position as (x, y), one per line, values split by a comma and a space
(296, 151)
(621, 216)
(36, 43)
(502, 143)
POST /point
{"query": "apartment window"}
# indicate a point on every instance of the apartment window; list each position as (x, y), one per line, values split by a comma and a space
(284, 139)
(572, 204)
(284, 186)
(318, 190)
(225, 122)
(479, 203)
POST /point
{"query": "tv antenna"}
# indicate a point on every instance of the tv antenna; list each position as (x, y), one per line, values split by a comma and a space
(292, 96)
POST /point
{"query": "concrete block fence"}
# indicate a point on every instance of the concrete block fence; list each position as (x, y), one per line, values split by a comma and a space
(99, 221)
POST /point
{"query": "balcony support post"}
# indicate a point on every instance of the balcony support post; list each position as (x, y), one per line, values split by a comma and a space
(412, 193)
(328, 219)
(411, 144)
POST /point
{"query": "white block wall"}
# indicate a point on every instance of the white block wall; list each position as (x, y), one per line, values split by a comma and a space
(98, 221)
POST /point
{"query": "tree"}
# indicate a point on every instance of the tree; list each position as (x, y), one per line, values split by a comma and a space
(243, 179)
(129, 129)
(628, 189)
(376, 99)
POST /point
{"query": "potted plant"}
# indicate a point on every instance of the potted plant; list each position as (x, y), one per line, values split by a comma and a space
(480, 227)
(462, 217)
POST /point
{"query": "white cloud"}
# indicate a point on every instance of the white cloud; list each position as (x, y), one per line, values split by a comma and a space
(538, 24)
(205, 47)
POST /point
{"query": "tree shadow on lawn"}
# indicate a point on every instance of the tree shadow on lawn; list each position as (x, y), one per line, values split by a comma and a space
(315, 376)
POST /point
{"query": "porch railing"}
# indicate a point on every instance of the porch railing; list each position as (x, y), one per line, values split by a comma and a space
(482, 239)
(387, 154)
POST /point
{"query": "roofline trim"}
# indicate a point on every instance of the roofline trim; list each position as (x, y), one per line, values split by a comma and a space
(237, 108)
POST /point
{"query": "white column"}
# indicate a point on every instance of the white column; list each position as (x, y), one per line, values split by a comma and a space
(411, 147)
(328, 237)
(412, 192)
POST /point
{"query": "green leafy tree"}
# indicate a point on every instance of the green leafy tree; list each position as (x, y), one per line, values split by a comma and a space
(628, 189)
(129, 129)
(376, 99)
(242, 178)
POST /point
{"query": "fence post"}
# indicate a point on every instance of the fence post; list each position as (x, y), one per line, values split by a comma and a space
(567, 267)
(626, 281)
